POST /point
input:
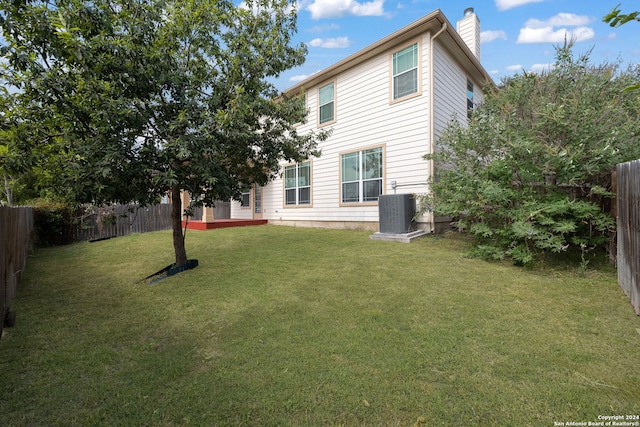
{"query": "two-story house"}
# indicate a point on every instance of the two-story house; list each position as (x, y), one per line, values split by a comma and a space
(386, 104)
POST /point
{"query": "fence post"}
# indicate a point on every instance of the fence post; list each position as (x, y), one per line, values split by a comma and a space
(16, 229)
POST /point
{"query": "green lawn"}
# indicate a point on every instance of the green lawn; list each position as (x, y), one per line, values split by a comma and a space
(309, 327)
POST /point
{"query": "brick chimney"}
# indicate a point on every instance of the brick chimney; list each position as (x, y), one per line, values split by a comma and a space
(469, 29)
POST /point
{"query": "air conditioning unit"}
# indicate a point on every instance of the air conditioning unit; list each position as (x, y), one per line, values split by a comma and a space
(396, 213)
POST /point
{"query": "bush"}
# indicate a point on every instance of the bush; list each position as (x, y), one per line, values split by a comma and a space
(531, 172)
(52, 222)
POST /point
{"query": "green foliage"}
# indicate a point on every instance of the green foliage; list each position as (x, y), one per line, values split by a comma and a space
(52, 222)
(123, 101)
(127, 98)
(616, 18)
(531, 173)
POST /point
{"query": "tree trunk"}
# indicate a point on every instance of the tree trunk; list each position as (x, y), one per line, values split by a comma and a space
(176, 220)
(7, 190)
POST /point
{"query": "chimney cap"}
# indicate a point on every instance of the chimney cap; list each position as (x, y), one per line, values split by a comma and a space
(468, 11)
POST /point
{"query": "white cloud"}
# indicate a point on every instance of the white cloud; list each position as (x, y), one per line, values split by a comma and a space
(331, 43)
(549, 35)
(491, 35)
(612, 36)
(301, 77)
(323, 28)
(508, 4)
(337, 8)
(561, 19)
(538, 68)
(537, 31)
(298, 78)
(535, 68)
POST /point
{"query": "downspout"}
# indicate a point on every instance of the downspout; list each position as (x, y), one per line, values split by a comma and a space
(432, 120)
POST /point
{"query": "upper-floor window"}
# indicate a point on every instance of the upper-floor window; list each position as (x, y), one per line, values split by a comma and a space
(361, 175)
(326, 103)
(470, 103)
(405, 71)
(297, 184)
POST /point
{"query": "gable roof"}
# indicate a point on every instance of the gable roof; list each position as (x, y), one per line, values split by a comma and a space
(432, 23)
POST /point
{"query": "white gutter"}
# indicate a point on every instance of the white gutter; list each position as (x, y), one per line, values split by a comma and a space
(432, 119)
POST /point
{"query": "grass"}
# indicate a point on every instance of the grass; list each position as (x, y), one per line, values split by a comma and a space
(308, 327)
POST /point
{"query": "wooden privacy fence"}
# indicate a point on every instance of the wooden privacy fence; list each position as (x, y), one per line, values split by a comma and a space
(121, 220)
(221, 210)
(16, 227)
(628, 230)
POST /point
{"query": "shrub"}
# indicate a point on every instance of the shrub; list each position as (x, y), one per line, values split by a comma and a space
(52, 222)
(531, 172)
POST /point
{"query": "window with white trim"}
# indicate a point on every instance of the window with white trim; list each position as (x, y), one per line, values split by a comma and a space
(405, 71)
(470, 104)
(297, 184)
(326, 103)
(245, 199)
(361, 175)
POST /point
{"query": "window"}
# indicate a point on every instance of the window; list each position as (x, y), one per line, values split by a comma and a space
(469, 98)
(245, 199)
(297, 184)
(326, 103)
(361, 176)
(405, 71)
(257, 200)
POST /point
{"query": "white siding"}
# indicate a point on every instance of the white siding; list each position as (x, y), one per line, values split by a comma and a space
(238, 212)
(366, 118)
(450, 91)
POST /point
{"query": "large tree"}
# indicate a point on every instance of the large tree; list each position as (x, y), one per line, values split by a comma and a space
(18, 176)
(126, 100)
(532, 171)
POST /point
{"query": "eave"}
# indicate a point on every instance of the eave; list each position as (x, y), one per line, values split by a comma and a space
(430, 23)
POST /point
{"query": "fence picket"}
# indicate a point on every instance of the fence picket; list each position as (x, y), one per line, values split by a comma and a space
(122, 220)
(628, 230)
(16, 229)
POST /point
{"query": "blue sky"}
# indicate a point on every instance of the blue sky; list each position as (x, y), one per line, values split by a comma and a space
(517, 35)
